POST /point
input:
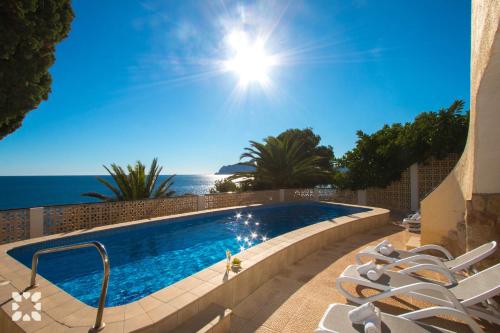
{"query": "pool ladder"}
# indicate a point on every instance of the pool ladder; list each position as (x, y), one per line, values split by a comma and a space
(99, 324)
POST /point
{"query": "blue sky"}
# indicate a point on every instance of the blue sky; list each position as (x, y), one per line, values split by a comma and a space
(138, 80)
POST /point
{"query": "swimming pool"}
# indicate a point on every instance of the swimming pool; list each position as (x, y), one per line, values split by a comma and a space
(147, 257)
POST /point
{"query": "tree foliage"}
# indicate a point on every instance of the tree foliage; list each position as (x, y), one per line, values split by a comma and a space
(292, 159)
(311, 146)
(223, 186)
(136, 184)
(29, 32)
(381, 157)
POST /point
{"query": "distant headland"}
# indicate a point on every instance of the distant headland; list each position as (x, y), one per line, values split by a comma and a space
(234, 168)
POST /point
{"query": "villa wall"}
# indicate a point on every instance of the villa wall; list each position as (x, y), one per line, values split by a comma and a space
(463, 211)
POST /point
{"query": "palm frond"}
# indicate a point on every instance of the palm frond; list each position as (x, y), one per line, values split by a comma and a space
(98, 196)
(163, 188)
(281, 162)
(113, 189)
(134, 184)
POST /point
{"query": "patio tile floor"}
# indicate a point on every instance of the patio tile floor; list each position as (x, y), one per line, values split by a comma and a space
(296, 298)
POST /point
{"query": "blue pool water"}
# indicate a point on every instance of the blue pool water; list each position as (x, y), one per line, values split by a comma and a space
(148, 257)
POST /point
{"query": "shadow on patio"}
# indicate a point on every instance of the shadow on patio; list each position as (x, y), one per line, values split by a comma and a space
(296, 298)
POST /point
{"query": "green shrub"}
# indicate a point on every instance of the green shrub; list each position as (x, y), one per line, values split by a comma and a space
(381, 157)
(223, 186)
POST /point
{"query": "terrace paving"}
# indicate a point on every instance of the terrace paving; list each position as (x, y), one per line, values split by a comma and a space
(296, 298)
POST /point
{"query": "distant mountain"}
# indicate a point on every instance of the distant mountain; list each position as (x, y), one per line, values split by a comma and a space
(233, 168)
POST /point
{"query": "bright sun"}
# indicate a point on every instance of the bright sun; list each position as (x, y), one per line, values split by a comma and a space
(248, 59)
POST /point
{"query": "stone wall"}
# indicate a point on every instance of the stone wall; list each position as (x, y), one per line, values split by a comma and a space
(482, 223)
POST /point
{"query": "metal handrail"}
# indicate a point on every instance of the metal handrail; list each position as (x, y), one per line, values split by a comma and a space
(99, 325)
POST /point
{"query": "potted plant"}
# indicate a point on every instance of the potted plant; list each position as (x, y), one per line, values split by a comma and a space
(236, 263)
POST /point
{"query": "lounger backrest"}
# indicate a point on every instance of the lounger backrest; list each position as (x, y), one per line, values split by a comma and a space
(478, 284)
(473, 256)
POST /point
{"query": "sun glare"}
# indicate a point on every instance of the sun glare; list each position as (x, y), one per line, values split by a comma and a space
(248, 59)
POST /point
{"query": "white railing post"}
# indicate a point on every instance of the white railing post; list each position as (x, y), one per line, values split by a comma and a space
(361, 197)
(282, 195)
(414, 202)
(201, 202)
(36, 222)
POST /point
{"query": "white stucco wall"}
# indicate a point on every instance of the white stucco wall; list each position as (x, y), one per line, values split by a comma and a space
(478, 170)
(485, 96)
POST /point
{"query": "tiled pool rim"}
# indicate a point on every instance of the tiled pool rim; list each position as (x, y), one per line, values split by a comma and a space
(172, 306)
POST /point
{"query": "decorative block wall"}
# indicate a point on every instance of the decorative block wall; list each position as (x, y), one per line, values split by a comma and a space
(433, 172)
(14, 225)
(299, 194)
(345, 196)
(396, 196)
(221, 200)
(85, 216)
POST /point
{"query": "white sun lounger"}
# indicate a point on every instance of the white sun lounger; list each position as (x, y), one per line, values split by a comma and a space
(412, 222)
(336, 320)
(415, 256)
(466, 295)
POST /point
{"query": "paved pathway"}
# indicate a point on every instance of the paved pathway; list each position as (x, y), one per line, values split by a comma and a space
(295, 300)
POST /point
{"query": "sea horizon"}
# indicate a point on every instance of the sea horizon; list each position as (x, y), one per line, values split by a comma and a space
(25, 191)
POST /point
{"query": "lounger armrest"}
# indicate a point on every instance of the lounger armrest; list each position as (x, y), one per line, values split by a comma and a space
(435, 247)
(443, 311)
(413, 259)
(481, 252)
(431, 267)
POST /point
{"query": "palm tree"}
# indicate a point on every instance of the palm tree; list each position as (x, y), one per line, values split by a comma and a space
(280, 163)
(136, 184)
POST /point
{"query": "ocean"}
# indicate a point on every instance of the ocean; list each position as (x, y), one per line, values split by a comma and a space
(36, 191)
